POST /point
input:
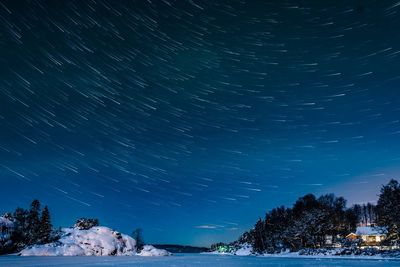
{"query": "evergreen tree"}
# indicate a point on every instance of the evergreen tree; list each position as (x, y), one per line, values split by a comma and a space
(246, 237)
(276, 223)
(21, 225)
(33, 223)
(307, 224)
(45, 226)
(29, 227)
(352, 218)
(259, 236)
(388, 210)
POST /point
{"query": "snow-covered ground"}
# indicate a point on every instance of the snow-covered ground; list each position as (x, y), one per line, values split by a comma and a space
(195, 260)
(244, 250)
(97, 241)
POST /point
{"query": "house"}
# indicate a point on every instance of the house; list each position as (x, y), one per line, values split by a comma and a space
(332, 241)
(352, 236)
(369, 235)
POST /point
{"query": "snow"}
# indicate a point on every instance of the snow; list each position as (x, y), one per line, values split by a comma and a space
(193, 260)
(368, 230)
(149, 250)
(6, 222)
(97, 241)
(244, 250)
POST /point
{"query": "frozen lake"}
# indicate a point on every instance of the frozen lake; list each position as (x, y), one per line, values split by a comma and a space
(188, 260)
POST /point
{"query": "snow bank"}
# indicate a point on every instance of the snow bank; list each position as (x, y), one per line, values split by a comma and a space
(152, 251)
(97, 241)
(244, 250)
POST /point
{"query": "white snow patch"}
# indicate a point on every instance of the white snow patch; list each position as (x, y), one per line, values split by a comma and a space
(149, 250)
(244, 250)
(6, 222)
(369, 230)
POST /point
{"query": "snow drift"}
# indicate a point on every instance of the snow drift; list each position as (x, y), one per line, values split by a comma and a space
(97, 241)
(152, 251)
(244, 250)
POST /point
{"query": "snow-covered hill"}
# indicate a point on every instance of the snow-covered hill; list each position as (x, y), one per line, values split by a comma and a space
(97, 241)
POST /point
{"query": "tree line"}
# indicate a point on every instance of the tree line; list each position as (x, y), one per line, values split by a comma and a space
(30, 226)
(311, 219)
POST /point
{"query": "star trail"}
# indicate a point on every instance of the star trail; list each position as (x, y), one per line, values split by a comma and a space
(191, 118)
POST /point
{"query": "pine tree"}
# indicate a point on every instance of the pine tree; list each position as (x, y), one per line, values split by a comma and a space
(45, 226)
(21, 225)
(352, 218)
(259, 236)
(388, 210)
(276, 223)
(33, 223)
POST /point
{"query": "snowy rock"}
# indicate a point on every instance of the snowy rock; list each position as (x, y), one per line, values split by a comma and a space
(6, 222)
(244, 250)
(152, 251)
(97, 241)
(6, 228)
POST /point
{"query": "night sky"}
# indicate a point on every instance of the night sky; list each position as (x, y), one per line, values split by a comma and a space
(190, 119)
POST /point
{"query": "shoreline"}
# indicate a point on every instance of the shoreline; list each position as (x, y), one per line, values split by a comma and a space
(294, 255)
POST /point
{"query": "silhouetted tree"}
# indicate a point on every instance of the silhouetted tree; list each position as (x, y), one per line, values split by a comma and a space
(307, 224)
(388, 210)
(276, 223)
(259, 236)
(138, 236)
(30, 227)
(246, 237)
(33, 223)
(352, 218)
(20, 234)
(45, 226)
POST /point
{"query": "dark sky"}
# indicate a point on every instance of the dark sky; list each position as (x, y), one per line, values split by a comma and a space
(192, 118)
